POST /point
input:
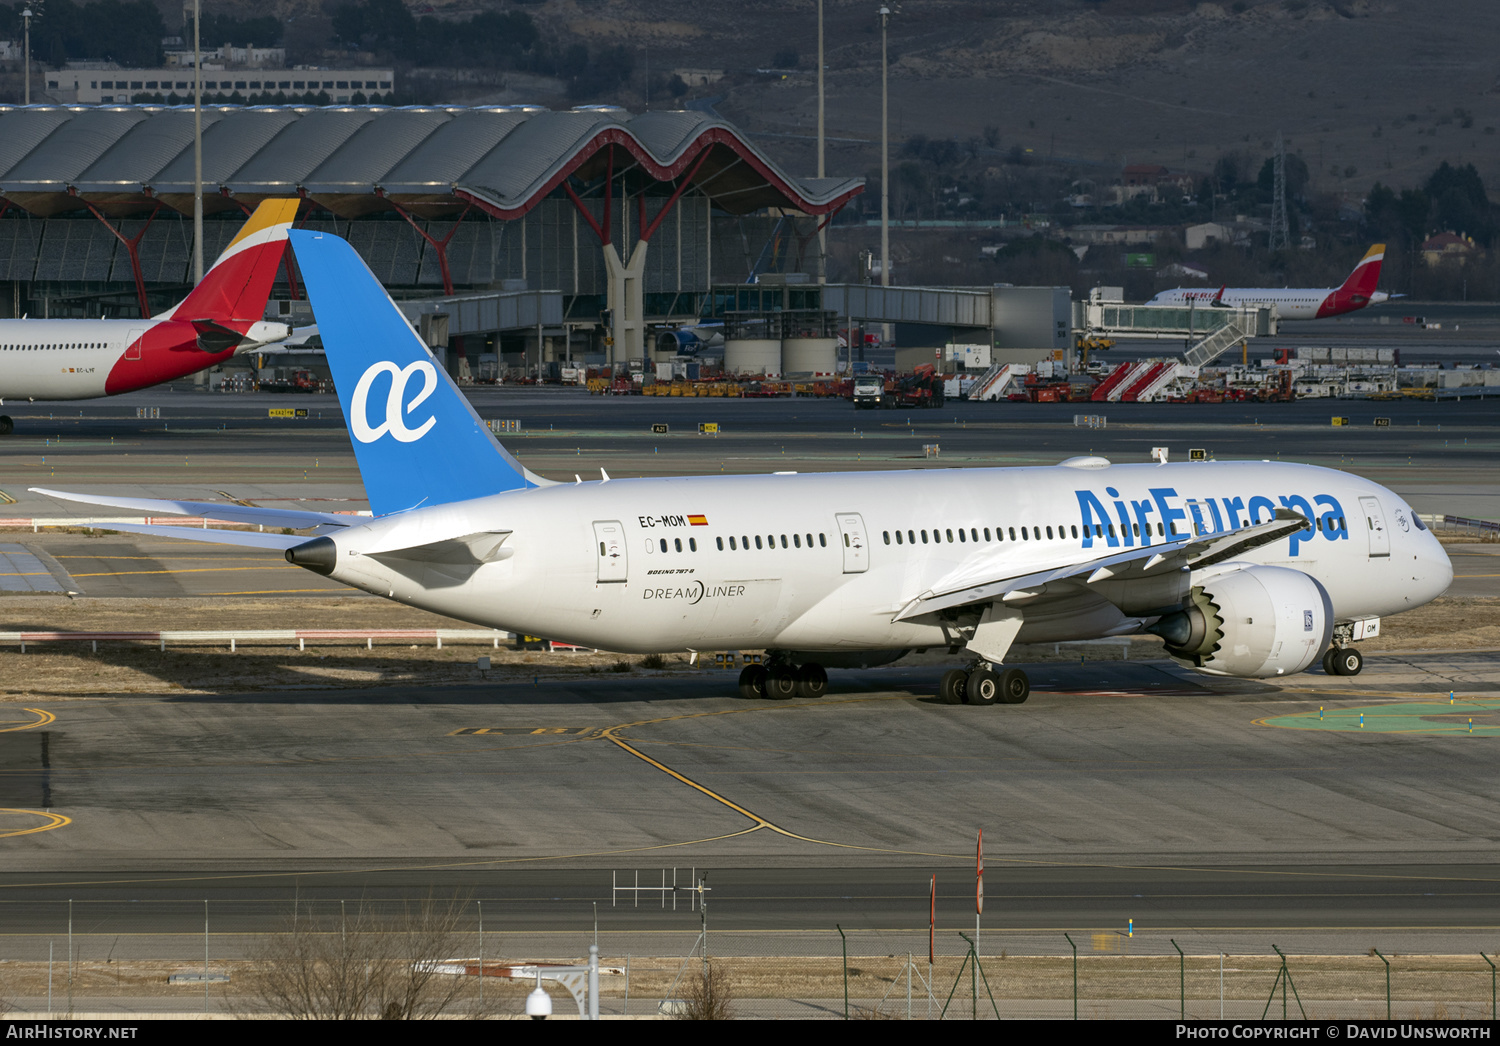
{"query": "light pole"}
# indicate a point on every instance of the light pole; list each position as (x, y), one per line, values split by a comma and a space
(197, 145)
(885, 173)
(26, 14)
(820, 88)
(823, 232)
(885, 159)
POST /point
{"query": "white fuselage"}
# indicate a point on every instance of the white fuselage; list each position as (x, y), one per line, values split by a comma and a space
(76, 359)
(1292, 303)
(62, 359)
(812, 562)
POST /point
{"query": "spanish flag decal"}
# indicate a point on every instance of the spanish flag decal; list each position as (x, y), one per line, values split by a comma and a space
(698, 521)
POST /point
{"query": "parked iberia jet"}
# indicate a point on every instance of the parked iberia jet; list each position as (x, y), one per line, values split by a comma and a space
(1294, 303)
(222, 315)
(1244, 568)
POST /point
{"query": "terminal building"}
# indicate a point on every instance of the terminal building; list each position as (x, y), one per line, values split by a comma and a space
(81, 85)
(533, 234)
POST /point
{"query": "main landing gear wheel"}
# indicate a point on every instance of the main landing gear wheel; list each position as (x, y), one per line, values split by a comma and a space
(812, 680)
(753, 682)
(1346, 661)
(781, 683)
(6, 425)
(952, 689)
(983, 687)
(1328, 666)
(1015, 688)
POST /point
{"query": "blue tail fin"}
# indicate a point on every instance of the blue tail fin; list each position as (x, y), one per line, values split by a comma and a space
(416, 439)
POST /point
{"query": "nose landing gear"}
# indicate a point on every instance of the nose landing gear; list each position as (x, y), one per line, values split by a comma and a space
(1343, 661)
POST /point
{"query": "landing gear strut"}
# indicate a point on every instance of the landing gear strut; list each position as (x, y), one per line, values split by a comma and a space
(984, 686)
(1343, 661)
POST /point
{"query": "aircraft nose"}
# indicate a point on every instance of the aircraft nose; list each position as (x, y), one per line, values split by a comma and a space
(1436, 568)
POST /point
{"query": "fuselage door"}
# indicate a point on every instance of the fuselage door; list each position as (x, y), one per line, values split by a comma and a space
(609, 546)
(1203, 520)
(852, 536)
(1380, 539)
(133, 344)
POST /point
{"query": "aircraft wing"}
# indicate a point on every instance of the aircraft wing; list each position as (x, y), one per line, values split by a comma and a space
(297, 519)
(991, 579)
(420, 538)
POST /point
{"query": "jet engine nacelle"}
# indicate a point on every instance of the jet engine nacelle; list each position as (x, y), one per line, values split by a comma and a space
(1252, 622)
(678, 343)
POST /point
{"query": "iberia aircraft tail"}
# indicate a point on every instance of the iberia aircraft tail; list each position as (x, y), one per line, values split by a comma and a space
(235, 289)
(1366, 275)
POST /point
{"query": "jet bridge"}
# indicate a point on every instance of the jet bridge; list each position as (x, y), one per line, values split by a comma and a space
(1212, 329)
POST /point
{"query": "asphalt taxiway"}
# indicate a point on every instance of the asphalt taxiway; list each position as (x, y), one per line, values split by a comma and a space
(1219, 811)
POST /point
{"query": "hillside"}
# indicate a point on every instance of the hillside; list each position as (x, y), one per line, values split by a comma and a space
(1362, 90)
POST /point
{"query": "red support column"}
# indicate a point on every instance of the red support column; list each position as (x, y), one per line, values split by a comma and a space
(645, 231)
(132, 245)
(648, 232)
(441, 246)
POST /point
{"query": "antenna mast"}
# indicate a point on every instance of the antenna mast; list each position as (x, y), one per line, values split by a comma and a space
(1281, 237)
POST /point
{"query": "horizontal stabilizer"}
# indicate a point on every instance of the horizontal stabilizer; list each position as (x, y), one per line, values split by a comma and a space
(247, 538)
(215, 337)
(468, 550)
(297, 519)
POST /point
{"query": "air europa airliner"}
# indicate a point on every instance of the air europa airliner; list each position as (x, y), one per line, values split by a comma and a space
(1251, 569)
(1294, 303)
(222, 315)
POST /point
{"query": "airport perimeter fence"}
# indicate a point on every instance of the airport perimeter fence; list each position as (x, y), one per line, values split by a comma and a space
(865, 975)
(1483, 529)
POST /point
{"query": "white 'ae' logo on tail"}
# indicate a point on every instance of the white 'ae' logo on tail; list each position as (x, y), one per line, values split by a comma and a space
(395, 405)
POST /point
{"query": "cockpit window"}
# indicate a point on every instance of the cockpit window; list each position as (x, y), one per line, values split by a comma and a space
(1418, 521)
